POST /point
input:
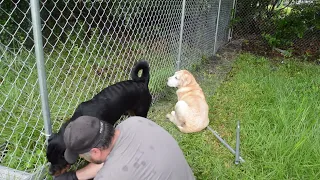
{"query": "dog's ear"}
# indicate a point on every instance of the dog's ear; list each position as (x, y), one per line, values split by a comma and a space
(49, 148)
(52, 136)
(186, 79)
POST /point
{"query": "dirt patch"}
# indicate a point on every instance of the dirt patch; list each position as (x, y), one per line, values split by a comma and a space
(305, 49)
(214, 70)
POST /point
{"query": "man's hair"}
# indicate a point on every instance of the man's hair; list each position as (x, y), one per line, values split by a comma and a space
(87, 155)
(109, 133)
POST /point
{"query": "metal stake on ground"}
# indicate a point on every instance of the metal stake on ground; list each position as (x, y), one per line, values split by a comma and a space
(224, 143)
(238, 144)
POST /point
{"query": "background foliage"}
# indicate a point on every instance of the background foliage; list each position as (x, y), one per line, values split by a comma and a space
(286, 27)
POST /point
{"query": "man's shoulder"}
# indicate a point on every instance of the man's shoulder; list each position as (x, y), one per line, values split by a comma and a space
(135, 118)
(111, 171)
(136, 121)
(106, 172)
(139, 126)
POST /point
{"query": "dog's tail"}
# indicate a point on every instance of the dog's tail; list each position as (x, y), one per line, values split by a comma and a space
(144, 66)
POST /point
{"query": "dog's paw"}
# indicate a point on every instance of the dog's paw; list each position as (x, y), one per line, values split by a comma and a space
(168, 116)
(171, 116)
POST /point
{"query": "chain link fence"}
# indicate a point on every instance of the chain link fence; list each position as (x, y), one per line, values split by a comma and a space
(279, 28)
(74, 49)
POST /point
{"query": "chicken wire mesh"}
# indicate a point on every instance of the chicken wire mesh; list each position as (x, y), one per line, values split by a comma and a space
(88, 45)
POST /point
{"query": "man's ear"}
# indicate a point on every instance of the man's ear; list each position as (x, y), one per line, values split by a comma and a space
(95, 151)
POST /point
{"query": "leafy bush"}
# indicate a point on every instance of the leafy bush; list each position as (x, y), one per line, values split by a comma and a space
(301, 20)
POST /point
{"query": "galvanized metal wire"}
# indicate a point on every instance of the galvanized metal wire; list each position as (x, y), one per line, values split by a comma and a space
(80, 47)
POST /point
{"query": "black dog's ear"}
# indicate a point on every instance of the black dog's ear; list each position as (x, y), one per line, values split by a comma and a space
(52, 136)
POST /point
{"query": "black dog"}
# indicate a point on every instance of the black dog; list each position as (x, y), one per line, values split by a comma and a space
(126, 97)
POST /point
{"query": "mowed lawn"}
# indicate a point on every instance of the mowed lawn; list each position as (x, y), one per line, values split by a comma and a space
(278, 105)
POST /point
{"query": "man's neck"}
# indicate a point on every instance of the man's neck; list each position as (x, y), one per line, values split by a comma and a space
(115, 138)
(113, 142)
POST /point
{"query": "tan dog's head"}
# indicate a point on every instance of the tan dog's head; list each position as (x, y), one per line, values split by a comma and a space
(181, 78)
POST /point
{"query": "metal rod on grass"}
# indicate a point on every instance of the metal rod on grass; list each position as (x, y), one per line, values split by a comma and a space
(238, 143)
(224, 143)
(37, 35)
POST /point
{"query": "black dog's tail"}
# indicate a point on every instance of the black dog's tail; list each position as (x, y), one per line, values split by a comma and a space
(144, 66)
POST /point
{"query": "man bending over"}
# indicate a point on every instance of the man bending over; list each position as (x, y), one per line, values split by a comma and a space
(137, 149)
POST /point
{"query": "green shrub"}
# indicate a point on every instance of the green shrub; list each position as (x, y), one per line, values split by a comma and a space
(301, 20)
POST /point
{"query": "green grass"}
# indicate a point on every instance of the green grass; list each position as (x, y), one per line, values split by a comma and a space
(20, 129)
(74, 74)
(278, 105)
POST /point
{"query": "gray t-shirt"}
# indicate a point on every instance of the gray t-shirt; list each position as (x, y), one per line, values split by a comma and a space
(145, 151)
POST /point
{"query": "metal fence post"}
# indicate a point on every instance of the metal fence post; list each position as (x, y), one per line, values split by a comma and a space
(36, 26)
(232, 17)
(181, 33)
(217, 27)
